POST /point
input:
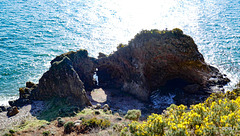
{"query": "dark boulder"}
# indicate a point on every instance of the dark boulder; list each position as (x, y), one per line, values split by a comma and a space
(101, 55)
(24, 96)
(19, 102)
(12, 111)
(3, 108)
(30, 84)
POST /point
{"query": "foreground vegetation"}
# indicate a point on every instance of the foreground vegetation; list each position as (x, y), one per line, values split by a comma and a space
(218, 115)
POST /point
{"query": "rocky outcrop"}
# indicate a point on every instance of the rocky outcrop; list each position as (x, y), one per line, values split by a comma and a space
(152, 59)
(82, 64)
(63, 81)
(24, 95)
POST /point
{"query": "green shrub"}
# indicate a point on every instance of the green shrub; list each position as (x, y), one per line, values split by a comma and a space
(46, 133)
(177, 31)
(218, 115)
(11, 131)
(60, 122)
(68, 127)
(121, 46)
(118, 127)
(92, 124)
(124, 132)
(7, 134)
(133, 115)
(96, 123)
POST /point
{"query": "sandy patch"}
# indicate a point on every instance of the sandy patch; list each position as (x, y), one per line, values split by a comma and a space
(117, 100)
(99, 95)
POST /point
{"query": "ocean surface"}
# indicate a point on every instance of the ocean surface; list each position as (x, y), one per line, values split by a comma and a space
(33, 32)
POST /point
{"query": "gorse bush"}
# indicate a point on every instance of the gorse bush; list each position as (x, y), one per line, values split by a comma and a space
(68, 127)
(218, 115)
(133, 115)
(92, 124)
(118, 127)
(96, 123)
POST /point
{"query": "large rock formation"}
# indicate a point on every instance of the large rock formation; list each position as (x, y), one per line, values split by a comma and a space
(63, 81)
(153, 59)
(82, 64)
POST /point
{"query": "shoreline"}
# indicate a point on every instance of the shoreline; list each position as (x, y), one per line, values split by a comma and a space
(27, 112)
(6, 100)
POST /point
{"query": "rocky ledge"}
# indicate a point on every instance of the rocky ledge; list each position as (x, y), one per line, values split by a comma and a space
(152, 60)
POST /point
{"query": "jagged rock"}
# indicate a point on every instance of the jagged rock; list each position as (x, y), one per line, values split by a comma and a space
(30, 84)
(82, 64)
(3, 108)
(106, 106)
(98, 106)
(12, 111)
(101, 55)
(25, 94)
(62, 81)
(152, 59)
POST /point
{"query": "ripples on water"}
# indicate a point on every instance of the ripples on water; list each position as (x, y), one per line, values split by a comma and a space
(33, 32)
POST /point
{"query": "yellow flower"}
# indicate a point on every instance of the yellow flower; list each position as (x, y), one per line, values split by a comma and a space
(206, 119)
(220, 101)
(198, 131)
(213, 104)
(174, 127)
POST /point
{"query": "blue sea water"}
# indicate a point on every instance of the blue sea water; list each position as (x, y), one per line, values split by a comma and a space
(33, 32)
